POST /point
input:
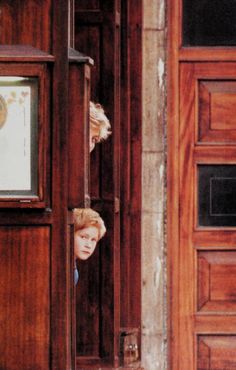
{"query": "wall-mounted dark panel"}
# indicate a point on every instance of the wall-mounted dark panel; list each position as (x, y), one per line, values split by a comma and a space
(216, 195)
(209, 23)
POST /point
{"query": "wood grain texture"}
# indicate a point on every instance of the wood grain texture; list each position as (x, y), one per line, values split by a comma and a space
(216, 281)
(216, 352)
(78, 135)
(186, 196)
(113, 288)
(25, 297)
(26, 23)
(60, 253)
(207, 284)
(205, 339)
(174, 24)
(98, 329)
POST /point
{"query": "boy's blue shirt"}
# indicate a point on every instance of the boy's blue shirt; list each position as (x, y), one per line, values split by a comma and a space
(76, 276)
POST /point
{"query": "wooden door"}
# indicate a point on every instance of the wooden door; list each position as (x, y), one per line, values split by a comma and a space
(202, 193)
(109, 292)
(207, 249)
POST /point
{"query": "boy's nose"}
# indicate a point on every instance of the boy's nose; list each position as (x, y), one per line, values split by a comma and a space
(88, 244)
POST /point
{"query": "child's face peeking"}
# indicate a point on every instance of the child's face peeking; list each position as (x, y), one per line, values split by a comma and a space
(85, 241)
(93, 137)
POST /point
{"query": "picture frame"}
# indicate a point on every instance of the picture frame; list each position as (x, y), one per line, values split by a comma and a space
(24, 106)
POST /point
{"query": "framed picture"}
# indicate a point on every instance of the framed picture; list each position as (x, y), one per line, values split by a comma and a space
(23, 121)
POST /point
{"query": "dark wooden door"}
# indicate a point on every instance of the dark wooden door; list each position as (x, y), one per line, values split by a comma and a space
(109, 292)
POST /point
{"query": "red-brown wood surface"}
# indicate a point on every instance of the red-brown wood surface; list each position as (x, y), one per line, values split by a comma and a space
(78, 157)
(173, 183)
(27, 23)
(60, 253)
(35, 243)
(98, 297)
(109, 291)
(206, 281)
(201, 264)
(131, 113)
(25, 297)
(41, 72)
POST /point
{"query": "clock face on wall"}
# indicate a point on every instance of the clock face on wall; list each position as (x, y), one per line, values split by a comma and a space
(3, 111)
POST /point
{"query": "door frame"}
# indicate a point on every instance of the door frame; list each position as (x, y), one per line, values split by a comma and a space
(172, 181)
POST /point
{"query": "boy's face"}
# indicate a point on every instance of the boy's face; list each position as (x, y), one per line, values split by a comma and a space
(93, 137)
(85, 242)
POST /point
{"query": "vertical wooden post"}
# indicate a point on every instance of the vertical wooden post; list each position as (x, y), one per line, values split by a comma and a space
(60, 304)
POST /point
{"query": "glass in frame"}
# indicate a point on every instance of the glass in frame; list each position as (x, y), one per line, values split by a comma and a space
(209, 22)
(18, 137)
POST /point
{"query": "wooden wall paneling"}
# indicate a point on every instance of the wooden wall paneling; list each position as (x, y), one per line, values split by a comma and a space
(25, 297)
(26, 23)
(34, 243)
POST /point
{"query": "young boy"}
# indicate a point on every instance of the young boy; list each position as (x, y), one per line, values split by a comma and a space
(89, 229)
(99, 125)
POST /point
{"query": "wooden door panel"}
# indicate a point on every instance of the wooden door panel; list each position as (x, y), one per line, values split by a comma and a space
(217, 111)
(25, 297)
(207, 252)
(216, 352)
(215, 292)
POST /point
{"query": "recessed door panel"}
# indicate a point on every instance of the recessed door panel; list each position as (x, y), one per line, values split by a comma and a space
(216, 352)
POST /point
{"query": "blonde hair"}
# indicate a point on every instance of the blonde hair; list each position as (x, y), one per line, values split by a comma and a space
(98, 119)
(85, 217)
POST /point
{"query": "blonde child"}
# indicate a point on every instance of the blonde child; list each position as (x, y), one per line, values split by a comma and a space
(89, 229)
(99, 125)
